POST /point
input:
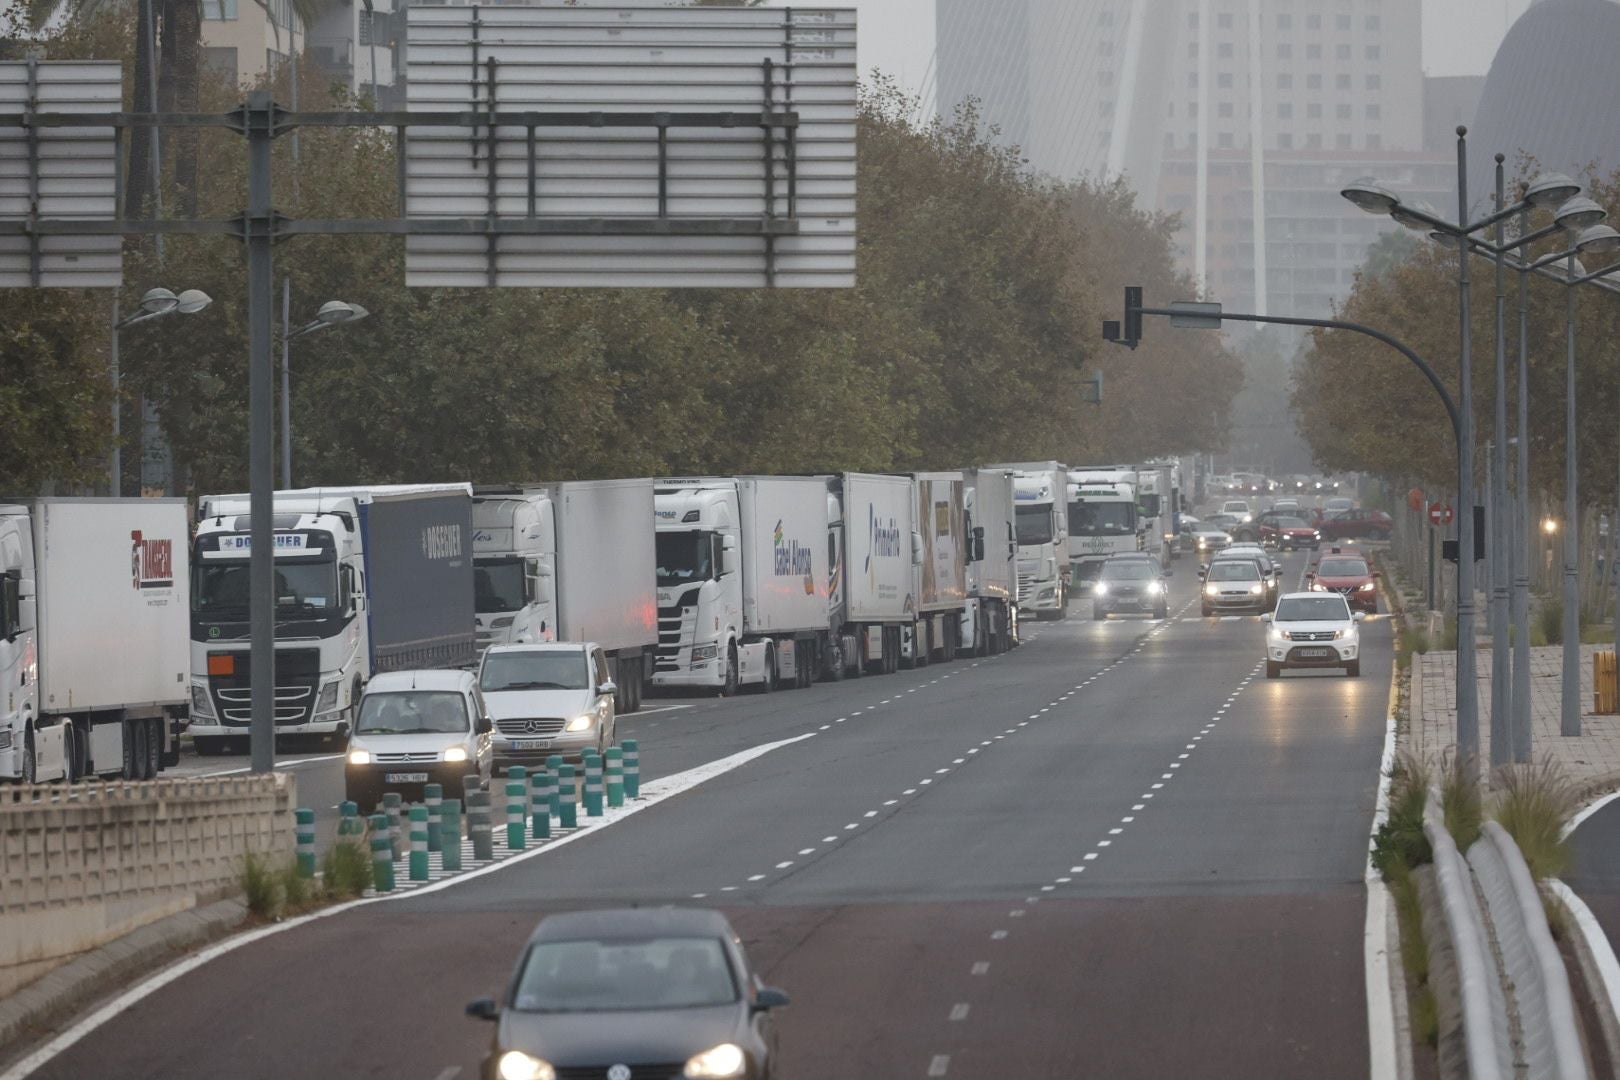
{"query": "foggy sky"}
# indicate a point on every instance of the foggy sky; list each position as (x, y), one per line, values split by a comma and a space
(1459, 36)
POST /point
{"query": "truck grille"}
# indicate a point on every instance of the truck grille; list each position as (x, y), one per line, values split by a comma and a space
(1026, 587)
(674, 629)
(536, 727)
(298, 673)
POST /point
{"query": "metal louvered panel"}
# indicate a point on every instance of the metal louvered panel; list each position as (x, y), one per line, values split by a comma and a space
(68, 173)
(697, 206)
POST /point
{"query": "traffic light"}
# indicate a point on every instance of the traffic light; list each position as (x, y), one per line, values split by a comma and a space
(1129, 331)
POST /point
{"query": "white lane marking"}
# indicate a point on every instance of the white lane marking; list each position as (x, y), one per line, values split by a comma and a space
(450, 1073)
(1047, 888)
(756, 877)
(1586, 812)
(728, 888)
(890, 802)
(1016, 913)
(1104, 843)
(656, 709)
(981, 967)
(829, 839)
(1064, 880)
(824, 727)
(871, 813)
(1128, 819)
(940, 1065)
(1381, 1039)
(1183, 757)
(784, 865)
(699, 895)
(1090, 855)
(1115, 831)
(997, 935)
(1076, 869)
(652, 793)
(807, 851)
(1156, 787)
(925, 781)
(909, 791)
(959, 761)
(1137, 806)
(291, 763)
(852, 825)
(959, 1012)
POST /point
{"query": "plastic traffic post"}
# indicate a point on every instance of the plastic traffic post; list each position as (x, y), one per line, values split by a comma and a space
(382, 854)
(593, 784)
(396, 832)
(615, 776)
(632, 769)
(540, 789)
(433, 795)
(554, 764)
(419, 838)
(349, 819)
(569, 810)
(450, 834)
(516, 828)
(304, 836)
(478, 826)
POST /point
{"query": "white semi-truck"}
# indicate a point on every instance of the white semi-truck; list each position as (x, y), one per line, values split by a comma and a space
(940, 572)
(1041, 520)
(1159, 496)
(874, 601)
(1103, 518)
(570, 561)
(990, 615)
(93, 661)
(743, 579)
(367, 580)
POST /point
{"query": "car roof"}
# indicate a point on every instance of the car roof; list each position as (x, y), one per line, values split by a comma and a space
(1122, 556)
(542, 646)
(425, 679)
(1310, 596)
(632, 923)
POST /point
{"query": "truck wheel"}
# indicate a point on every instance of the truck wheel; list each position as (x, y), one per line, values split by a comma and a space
(729, 688)
(833, 666)
(770, 669)
(71, 768)
(154, 748)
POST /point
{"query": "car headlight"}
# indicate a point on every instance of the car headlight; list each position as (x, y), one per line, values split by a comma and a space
(705, 652)
(1202, 542)
(1155, 588)
(1338, 635)
(516, 1065)
(1212, 590)
(359, 757)
(722, 1061)
(1368, 587)
(455, 753)
(1317, 586)
(1256, 590)
(329, 697)
(1099, 589)
(581, 723)
(1316, 535)
(200, 705)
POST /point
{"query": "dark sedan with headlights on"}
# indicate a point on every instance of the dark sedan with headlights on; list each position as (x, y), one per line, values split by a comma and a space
(640, 994)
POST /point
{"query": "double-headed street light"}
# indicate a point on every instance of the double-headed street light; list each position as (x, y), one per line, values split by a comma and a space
(154, 305)
(332, 313)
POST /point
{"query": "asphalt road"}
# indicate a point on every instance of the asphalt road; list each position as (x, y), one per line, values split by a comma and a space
(1118, 851)
(1594, 871)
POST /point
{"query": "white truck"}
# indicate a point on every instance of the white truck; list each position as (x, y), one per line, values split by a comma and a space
(1040, 491)
(1158, 494)
(743, 580)
(368, 580)
(570, 561)
(876, 550)
(1103, 518)
(93, 610)
(990, 615)
(940, 572)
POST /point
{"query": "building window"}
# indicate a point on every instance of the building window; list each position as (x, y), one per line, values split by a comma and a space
(1224, 140)
(1374, 112)
(1342, 110)
(1313, 82)
(1225, 110)
(1342, 82)
(1285, 141)
(1192, 80)
(1171, 113)
(1192, 50)
(1105, 48)
(1192, 140)
(1224, 50)
(1285, 110)
(1372, 22)
(1342, 141)
(1105, 18)
(1192, 110)
(1169, 140)
(1224, 20)
(1224, 80)
(220, 11)
(1313, 141)
(222, 62)
(1313, 52)
(1375, 141)
(1342, 52)
(1104, 108)
(1313, 111)
(1313, 21)
(365, 27)
(1192, 20)
(1375, 52)
(1285, 51)
(1343, 23)
(1285, 81)
(1375, 82)
(1105, 78)
(1285, 21)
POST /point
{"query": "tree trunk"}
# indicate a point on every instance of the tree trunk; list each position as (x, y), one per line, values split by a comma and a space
(177, 91)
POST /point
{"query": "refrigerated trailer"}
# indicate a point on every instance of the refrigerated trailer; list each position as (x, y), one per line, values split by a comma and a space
(570, 561)
(877, 602)
(93, 656)
(989, 616)
(368, 580)
(940, 572)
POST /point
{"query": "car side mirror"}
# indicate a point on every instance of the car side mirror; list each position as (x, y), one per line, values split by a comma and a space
(484, 725)
(1265, 616)
(484, 1009)
(608, 687)
(768, 998)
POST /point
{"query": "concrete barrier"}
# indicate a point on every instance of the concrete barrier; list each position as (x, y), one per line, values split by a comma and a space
(83, 864)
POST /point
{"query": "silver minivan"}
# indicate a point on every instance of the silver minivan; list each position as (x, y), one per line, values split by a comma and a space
(548, 698)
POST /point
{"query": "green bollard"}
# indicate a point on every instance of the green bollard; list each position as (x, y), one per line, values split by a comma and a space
(478, 826)
(593, 784)
(554, 764)
(540, 789)
(450, 834)
(433, 796)
(516, 827)
(392, 802)
(304, 835)
(382, 854)
(615, 776)
(419, 837)
(568, 815)
(632, 769)
(349, 819)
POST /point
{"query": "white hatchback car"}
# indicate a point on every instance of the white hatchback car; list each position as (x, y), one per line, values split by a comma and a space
(1313, 630)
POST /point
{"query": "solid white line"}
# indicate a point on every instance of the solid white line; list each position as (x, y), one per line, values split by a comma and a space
(292, 763)
(449, 1074)
(1586, 812)
(1375, 936)
(656, 709)
(940, 1065)
(1596, 940)
(653, 793)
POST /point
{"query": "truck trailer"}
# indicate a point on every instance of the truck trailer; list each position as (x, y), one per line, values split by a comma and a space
(570, 561)
(94, 600)
(368, 580)
(940, 572)
(990, 614)
(874, 598)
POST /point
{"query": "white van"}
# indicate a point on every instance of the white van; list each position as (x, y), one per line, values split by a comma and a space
(415, 728)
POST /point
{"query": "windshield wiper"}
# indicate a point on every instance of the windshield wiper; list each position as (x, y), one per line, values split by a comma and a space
(535, 686)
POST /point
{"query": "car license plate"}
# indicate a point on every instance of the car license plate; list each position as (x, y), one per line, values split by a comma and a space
(1315, 654)
(531, 744)
(405, 778)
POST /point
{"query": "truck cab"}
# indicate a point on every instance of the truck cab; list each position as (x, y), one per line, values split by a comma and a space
(1041, 521)
(699, 587)
(514, 568)
(1104, 520)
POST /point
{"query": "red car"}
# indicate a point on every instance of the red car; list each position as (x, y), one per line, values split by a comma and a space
(1287, 533)
(1354, 524)
(1346, 572)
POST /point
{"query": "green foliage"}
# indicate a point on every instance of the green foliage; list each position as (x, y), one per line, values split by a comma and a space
(297, 891)
(1418, 639)
(1550, 622)
(261, 886)
(1399, 843)
(1460, 803)
(1535, 804)
(1448, 635)
(346, 868)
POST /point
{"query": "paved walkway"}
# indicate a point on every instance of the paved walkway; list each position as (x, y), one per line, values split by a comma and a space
(1591, 759)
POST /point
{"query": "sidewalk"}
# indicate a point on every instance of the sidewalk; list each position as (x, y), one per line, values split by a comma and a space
(1591, 760)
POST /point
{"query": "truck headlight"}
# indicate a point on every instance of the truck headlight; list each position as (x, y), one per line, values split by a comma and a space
(200, 705)
(581, 723)
(329, 697)
(704, 652)
(359, 757)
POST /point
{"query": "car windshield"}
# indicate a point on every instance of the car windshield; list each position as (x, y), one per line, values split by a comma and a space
(1290, 523)
(1130, 570)
(1102, 519)
(623, 975)
(1034, 525)
(1235, 508)
(497, 585)
(1342, 568)
(684, 557)
(1313, 609)
(413, 712)
(549, 669)
(1233, 571)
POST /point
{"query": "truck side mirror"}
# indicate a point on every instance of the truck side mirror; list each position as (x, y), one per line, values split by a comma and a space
(916, 549)
(978, 544)
(10, 604)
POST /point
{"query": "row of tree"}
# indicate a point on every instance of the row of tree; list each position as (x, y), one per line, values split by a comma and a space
(976, 319)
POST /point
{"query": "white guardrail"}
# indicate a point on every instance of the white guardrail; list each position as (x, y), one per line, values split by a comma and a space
(1508, 966)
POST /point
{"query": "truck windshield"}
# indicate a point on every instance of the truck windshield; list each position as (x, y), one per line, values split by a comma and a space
(549, 670)
(1102, 519)
(685, 557)
(305, 587)
(497, 585)
(1150, 505)
(1034, 525)
(413, 712)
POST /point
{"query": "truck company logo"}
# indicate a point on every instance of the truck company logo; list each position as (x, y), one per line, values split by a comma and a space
(441, 542)
(885, 538)
(483, 536)
(151, 562)
(664, 515)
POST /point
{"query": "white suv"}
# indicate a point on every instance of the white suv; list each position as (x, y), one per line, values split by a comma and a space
(1313, 630)
(1238, 508)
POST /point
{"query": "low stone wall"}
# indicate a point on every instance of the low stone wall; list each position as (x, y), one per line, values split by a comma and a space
(83, 864)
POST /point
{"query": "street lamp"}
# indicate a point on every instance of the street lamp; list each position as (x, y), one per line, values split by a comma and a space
(155, 304)
(332, 313)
